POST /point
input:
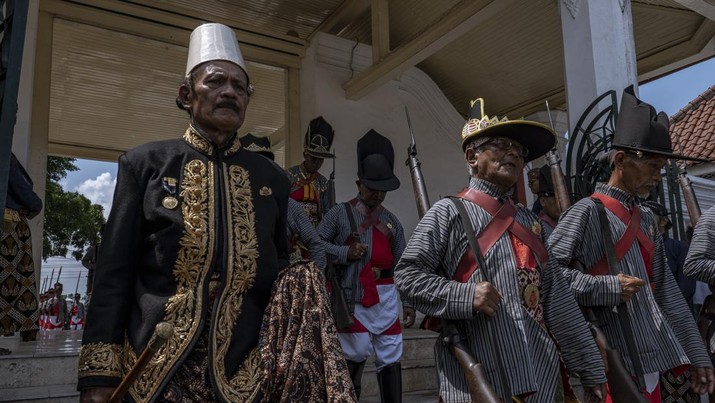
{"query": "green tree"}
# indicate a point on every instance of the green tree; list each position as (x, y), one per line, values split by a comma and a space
(71, 220)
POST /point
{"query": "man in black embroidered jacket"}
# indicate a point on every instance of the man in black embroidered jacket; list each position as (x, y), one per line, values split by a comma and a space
(196, 237)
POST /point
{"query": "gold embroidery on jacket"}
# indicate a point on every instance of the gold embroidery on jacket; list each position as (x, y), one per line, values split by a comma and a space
(183, 310)
(100, 359)
(240, 275)
(197, 141)
(234, 147)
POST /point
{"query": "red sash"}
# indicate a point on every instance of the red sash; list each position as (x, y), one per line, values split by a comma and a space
(548, 220)
(380, 259)
(633, 231)
(501, 222)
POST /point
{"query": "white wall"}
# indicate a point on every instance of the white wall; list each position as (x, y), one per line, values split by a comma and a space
(437, 125)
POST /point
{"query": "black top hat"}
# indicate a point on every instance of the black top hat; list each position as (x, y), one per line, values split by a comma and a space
(319, 138)
(659, 210)
(536, 137)
(640, 128)
(546, 182)
(376, 161)
(260, 145)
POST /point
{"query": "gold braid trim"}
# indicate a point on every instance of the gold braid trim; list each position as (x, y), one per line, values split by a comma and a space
(183, 310)
(197, 141)
(235, 146)
(100, 359)
(241, 273)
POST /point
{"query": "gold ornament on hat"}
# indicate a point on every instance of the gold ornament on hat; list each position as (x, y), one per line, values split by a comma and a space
(475, 125)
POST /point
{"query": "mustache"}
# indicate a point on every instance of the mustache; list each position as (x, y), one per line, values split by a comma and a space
(228, 104)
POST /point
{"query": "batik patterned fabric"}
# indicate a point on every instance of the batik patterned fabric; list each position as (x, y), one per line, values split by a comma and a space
(301, 355)
(677, 389)
(19, 308)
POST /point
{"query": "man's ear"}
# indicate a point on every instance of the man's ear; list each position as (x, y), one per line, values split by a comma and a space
(185, 96)
(618, 158)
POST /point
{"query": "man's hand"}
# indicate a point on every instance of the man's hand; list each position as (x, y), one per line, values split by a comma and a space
(595, 394)
(357, 251)
(629, 286)
(702, 380)
(95, 395)
(408, 317)
(486, 298)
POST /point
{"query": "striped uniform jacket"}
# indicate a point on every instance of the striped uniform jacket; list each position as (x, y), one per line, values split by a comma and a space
(334, 229)
(299, 225)
(526, 349)
(700, 262)
(664, 331)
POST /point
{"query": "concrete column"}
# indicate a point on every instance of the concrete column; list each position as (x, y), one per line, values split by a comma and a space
(599, 51)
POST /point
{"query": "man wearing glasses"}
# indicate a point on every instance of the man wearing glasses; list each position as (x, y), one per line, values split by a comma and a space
(518, 318)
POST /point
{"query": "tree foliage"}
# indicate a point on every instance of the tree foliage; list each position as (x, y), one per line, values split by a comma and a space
(71, 219)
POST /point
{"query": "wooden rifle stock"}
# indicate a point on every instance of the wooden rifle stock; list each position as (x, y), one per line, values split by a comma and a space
(162, 333)
(621, 386)
(557, 176)
(341, 311)
(480, 389)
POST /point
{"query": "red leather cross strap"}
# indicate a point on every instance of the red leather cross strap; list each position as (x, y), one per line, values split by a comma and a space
(633, 231)
(502, 221)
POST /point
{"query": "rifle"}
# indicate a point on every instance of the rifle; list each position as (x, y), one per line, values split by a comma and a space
(341, 311)
(162, 333)
(418, 182)
(52, 277)
(622, 388)
(480, 388)
(331, 187)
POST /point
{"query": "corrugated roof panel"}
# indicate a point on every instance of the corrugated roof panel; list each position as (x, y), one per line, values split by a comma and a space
(116, 91)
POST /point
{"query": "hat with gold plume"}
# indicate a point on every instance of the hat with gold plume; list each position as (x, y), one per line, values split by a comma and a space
(536, 137)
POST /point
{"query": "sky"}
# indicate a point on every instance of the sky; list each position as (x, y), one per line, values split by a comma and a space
(96, 179)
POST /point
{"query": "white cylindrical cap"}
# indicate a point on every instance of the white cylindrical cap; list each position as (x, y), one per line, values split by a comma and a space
(213, 42)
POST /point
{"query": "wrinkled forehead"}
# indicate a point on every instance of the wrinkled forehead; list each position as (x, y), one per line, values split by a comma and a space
(219, 67)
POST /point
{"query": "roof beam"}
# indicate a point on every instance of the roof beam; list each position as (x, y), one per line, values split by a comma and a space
(459, 20)
(380, 13)
(344, 15)
(701, 7)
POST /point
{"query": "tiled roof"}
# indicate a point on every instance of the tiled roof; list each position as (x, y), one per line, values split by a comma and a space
(692, 129)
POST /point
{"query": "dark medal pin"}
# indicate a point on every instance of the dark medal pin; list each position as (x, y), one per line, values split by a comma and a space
(169, 185)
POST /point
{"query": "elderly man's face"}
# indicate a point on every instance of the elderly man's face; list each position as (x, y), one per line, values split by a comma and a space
(220, 96)
(533, 177)
(312, 164)
(639, 175)
(500, 162)
(371, 197)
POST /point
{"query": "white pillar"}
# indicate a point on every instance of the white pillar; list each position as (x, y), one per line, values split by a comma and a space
(31, 152)
(599, 51)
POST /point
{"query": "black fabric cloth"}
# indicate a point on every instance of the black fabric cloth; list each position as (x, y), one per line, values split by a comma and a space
(155, 262)
(20, 195)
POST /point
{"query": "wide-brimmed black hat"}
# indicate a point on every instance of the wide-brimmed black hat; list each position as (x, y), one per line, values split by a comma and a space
(319, 138)
(641, 128)
(546, 182)
(376, 162)
(536, 137)
(260, 145)
(659, 210)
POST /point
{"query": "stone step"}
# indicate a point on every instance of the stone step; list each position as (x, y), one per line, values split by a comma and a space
(54, 393)
(423, 396)
(417, 375)
(41, 370)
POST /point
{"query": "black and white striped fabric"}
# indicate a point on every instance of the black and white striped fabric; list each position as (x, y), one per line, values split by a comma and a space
(334, 229)
(527, 351)
(664, 330)
(700, 262)
(299, 224)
